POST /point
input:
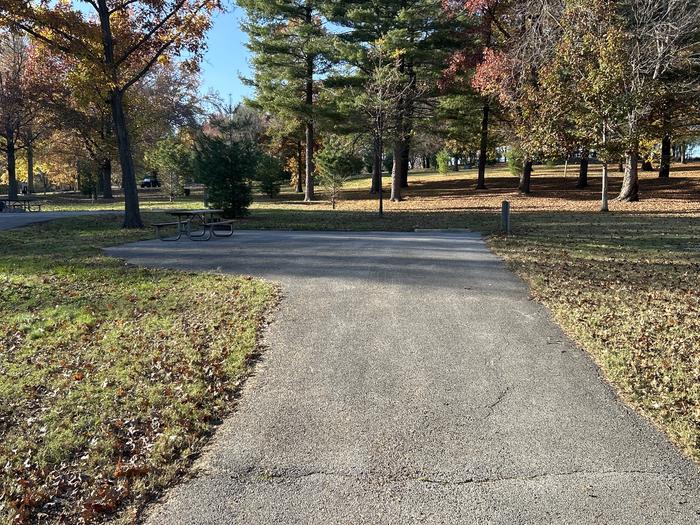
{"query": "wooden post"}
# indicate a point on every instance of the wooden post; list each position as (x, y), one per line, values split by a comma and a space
(505, 217)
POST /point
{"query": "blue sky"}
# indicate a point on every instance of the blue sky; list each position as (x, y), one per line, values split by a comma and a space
(226, 57)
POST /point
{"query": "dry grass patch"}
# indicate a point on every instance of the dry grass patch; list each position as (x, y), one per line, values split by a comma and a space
(627, 288)
(111, 376)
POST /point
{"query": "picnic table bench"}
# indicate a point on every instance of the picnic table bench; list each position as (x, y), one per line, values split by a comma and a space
(198, 225)
(25, 204)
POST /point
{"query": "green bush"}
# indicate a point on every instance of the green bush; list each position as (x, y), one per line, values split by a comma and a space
(336, 163)
(515, 162)
(226, 168)
(87, 178)
(388, 163)
(443, 161)
(270, 175)
(172, 159)
(368, 161)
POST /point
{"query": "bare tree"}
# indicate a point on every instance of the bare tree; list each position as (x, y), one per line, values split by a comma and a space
(662, 36)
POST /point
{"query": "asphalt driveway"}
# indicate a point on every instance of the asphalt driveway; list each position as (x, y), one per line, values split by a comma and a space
(409, 379)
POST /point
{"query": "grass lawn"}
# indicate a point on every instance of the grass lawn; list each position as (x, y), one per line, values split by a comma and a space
(627, 288)
(150, 200)
(111, 376)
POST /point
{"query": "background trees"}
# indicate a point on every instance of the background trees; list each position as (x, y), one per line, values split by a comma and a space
(26, 85)
(119, 45)
(547, 80)
(289, 45)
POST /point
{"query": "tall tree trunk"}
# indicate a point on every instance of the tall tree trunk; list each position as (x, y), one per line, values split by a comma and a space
(406, 133)
(583, 169)
(683, 153)
(379, 154)
(606, 169)
(481, 177)
(604, 191)
(11, 163)
(106, 178)
(132, 215)
(300, 168)
(665, 166)
(30, 165)
(397, 172)
(630, 183)
(376, 165)
(404, 159)
(106, 162)
(525, 177)
(310, 139)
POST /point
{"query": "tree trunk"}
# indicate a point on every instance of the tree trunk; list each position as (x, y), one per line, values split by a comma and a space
(404, 160)
(684, 150)
(376, 166)
(397, 172)
(379, 153)
(106, 178)
(525, 177)
(132, 215)
(583, 169)
(665, 166)
(630, 183)
(455, 166)
(309, 196)
(300, 168)
(481, 177)
(604, 192)
(11, 163)
(30, 165)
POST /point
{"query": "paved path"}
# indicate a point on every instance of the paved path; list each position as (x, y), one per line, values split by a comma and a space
(9, 221)
(410, 380)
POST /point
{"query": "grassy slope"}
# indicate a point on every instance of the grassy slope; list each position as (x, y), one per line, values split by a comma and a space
(110, 376)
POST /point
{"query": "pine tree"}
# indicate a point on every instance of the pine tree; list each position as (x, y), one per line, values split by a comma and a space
(413, 35)
(290, 46)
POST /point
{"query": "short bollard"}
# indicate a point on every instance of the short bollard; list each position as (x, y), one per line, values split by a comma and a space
(505, 217)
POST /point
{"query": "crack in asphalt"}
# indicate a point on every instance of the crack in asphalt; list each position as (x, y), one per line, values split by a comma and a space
(269, 477)
(499, 399)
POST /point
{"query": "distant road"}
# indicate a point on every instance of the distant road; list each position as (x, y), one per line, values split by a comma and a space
(9, 221)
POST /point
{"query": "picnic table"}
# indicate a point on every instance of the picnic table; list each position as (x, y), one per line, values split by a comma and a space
(21, 203)
(198, 225)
